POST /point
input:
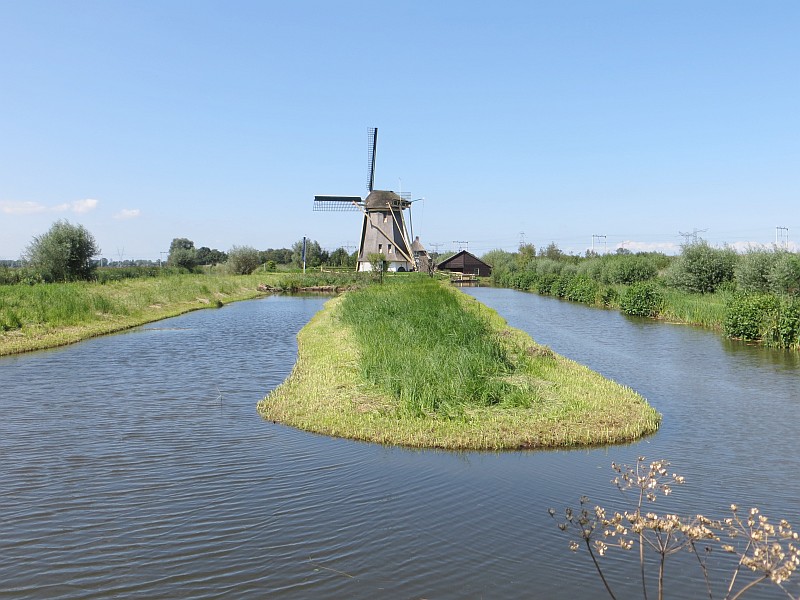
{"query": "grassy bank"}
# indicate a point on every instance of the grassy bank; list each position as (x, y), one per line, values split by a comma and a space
(34, 317)
(415, 363)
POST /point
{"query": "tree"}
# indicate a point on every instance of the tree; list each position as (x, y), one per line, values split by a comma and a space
(182, 253)
(207, 256)
(315, 255)
(701, 268)
(341, 258)
(64, 253)
(525, 256)
(243, 260)
(552, 251)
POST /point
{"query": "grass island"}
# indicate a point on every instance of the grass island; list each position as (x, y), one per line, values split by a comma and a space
(417, 363)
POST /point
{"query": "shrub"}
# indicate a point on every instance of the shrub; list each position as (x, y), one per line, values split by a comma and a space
(64, 253)
(627, 269)
(561, 284)
(701, 268)
(547, 266)
(592, 268)
(609, 296)
(753, 269)
(643, 300)
(784, 278)
(243, 260)
(582, 289)
(544, 283)
(747, 315)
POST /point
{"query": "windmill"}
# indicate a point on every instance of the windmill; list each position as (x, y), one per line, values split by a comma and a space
(384, 228)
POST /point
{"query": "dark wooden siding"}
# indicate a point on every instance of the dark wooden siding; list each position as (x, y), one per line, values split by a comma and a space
(466, 263)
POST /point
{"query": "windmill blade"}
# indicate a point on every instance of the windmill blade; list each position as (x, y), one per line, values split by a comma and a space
(372, 148)
(337, 203)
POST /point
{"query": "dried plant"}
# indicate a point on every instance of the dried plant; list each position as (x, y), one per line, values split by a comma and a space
(769, 552)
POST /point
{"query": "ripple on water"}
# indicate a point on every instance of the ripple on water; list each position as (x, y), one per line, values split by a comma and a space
(136, 466)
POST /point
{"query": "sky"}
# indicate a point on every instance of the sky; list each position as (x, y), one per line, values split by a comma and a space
(621, 123)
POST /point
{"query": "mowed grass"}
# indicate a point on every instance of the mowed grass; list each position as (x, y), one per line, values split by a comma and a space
(419, 364)
(48, 315)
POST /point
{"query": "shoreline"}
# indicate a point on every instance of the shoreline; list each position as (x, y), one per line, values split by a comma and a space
(578, 407)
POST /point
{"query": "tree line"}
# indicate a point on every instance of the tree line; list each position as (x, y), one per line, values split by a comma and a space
(69, 252)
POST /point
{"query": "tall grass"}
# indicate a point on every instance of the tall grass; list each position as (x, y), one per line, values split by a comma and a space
(420, 364)
(425, 349)
(46, 315)
(706, 310)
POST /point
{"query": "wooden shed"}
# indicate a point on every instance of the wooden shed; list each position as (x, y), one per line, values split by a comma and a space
(465, 263)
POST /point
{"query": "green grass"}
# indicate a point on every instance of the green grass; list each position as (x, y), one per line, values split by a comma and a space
(415, 363)
(706, 310)
(34, 317)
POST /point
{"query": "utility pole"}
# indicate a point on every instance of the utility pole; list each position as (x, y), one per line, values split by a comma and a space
(304, 255)
(521, 239)
(691, 237)
(784, 235)
(605, 242)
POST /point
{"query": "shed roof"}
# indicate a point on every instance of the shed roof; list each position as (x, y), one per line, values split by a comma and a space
(461, 258)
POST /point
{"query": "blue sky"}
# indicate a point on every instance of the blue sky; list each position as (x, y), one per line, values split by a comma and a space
(548, 121)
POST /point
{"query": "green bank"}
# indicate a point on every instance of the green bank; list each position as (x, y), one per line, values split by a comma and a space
(45, 315)
(416, 363)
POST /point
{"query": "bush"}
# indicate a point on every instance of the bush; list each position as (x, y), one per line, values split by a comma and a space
(243, 260)
(643, 300)
(786, 332)
(747, 315)
(753, 269)
(546, 266)
(630, 269)
(609, 296)
(582, 289)
(561, 284)
(784, 278)
(544, 283)
(701, 268)
(64, 253)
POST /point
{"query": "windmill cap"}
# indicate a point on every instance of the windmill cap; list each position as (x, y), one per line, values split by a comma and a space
(382, 199)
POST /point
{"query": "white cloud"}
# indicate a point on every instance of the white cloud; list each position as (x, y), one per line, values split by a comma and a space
(665, 247)
(128, 213)
(16, 207)
(82, 206)
(743, 247)
(13, 207)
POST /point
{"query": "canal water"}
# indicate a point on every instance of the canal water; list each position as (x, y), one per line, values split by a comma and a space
(136, 466)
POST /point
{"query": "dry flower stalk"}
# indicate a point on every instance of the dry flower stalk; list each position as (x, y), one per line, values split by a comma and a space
(771, 553)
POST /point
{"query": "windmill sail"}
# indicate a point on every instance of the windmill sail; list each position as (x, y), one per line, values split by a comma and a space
(372, 149)
(337, 203)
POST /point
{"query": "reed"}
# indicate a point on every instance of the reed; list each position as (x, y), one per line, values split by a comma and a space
(419, 364)
(706, 310)
(33, 317)
(40, 316)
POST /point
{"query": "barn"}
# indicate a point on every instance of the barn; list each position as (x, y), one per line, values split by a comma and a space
(465, 263)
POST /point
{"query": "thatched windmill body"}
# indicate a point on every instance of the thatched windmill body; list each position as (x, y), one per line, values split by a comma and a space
(384, 229)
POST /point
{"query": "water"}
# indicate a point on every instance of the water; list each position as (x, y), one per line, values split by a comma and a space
(135, 465)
